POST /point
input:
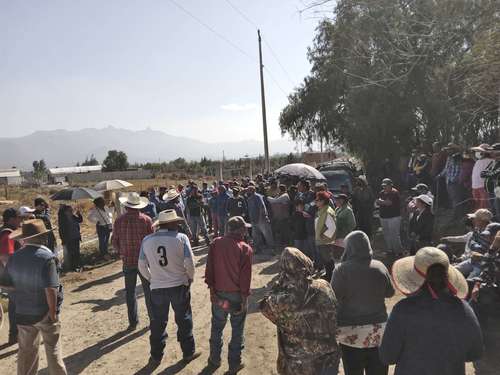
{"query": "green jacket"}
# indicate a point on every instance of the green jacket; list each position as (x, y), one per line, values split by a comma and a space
(346, 222)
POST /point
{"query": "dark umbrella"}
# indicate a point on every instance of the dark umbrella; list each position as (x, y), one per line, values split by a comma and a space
(300, 170)
(74, 194)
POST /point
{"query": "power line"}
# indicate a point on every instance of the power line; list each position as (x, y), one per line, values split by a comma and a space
(252, 23)
(275, 81)
(211, 29)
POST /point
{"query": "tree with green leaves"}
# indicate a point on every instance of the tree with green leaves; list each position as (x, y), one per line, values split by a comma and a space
(90, 161)
(115, 161)
(39, 169)
(390, 75)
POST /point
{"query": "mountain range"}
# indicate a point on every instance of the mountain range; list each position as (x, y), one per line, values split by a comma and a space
(66, 148)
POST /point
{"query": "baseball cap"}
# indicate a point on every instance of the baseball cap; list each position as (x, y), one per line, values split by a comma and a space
(9, 213)
(236, 223)
(387, 181)
(39, 201)
(420, 187)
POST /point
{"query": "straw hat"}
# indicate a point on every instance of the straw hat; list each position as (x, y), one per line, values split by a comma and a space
(409, 273)
(30, 229)
(171, 195)
(481, 214)
(168, 216)
(134, 200)
(426, 199)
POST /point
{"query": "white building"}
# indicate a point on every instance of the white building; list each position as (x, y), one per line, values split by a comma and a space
(60, 175)
(10, 176)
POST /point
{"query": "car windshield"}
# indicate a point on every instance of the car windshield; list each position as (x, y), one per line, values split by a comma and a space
(337, 178)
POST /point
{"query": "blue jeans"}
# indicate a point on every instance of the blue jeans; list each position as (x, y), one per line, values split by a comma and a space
(180, 299)
(130, 275)
(197, 225)
(469, 269)
(103, 234)
(219, 319)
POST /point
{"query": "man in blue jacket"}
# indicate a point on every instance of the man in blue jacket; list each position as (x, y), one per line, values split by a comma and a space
(259, 218)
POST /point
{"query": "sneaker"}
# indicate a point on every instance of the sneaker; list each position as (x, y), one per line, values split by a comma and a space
(233, 370)
(191, 357)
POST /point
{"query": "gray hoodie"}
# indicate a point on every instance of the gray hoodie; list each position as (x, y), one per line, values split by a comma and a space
(361, 284)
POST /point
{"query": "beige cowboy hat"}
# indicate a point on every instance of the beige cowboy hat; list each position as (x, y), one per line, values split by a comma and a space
(134, 200)
(481, 214)
(409, 273)
(481, 148)
(168, 216)
(30, 229)
(171, 195)
(425, 198)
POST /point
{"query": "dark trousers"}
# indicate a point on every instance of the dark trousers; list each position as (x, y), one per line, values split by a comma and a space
(219, 320)
(180, 299)
(12, 317)
(358, 361)
(103, 234)
(130, 275)
(73, 250)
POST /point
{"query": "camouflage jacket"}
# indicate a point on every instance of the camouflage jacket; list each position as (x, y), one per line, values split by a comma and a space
(307, 327)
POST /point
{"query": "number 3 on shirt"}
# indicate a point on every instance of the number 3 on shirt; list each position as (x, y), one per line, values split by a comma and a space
(162, 251)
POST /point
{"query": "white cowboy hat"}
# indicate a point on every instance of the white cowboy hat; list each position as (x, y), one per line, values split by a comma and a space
(409, 273)
(426, 199)
(170, 195)
(168, 216)
(481, 148)
(134, 200)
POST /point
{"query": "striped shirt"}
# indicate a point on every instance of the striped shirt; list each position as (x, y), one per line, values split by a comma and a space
(166, 259)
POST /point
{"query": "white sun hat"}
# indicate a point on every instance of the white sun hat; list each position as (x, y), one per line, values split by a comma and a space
(168, 216)
(134, 200)
(409, 273)
(171, 195)
(426, 199)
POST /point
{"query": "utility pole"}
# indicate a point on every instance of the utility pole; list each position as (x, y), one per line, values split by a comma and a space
(263, 101)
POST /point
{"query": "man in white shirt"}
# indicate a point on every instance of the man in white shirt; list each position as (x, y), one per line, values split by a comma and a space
(102, 217)
(483, 161)
(167, 262)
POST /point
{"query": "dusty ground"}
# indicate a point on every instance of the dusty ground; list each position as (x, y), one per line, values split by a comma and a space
(94, 317)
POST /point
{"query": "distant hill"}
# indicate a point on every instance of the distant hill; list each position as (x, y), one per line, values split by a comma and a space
(66, 148)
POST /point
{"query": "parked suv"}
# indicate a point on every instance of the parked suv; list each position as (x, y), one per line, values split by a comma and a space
(339, 172)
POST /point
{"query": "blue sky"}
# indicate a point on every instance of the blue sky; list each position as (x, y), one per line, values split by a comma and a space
(137, 64)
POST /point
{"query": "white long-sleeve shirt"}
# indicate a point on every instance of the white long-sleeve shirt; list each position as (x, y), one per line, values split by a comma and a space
(166, 259)
(101, 217)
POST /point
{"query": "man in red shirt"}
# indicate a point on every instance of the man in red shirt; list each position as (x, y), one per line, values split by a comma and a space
(11, 222)
(128, 232)
(228, 275)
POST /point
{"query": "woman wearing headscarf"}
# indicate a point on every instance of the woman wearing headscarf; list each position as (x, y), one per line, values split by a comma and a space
(361, 285)
(304, 310)
(325, 227)
(433, 331)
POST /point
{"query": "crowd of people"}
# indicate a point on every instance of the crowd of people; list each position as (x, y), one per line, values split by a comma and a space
(329, 299)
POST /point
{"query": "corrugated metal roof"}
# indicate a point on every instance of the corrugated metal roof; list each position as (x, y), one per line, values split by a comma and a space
(73, 170)
(10, 172)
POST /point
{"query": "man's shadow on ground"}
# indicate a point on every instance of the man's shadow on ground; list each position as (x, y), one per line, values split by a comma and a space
(106, 304)
(78, 362)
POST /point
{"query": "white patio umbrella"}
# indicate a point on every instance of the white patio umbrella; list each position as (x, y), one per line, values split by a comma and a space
(112, 185)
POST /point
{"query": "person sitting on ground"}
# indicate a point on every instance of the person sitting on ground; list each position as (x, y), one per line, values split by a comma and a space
(432, 331)
(361, 285)
(42, 212)
(325, 227)
(32, 273)
(228, 275)
(421, 223)
(166, 261)
(150, 209)
(102, 217)
(475, 244)
(304, 311)
(345, 220)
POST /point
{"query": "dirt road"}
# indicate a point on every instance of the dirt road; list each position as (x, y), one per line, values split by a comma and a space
(94, 318)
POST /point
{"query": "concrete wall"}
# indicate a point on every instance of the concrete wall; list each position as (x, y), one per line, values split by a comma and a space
(17, 180)
(142, 174)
